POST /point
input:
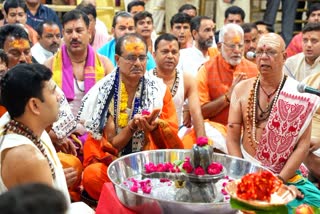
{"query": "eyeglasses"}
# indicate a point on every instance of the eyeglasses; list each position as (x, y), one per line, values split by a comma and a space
(269, 53)
(133, 58)
(233, 46)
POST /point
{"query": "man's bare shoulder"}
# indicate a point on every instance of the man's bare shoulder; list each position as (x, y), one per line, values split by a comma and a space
(245, 85)
(26, 152)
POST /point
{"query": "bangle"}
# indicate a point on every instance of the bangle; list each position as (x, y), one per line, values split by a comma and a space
(226, 98)
(281, 178)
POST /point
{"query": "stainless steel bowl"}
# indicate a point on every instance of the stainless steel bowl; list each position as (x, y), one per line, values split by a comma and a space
(133, 165)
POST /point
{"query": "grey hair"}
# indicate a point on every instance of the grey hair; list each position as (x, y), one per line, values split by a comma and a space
(230, 27)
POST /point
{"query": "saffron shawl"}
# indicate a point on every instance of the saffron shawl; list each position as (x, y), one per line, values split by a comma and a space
(288, 120)
(63, 71)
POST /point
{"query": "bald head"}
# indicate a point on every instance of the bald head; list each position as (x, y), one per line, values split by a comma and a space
(272, 40)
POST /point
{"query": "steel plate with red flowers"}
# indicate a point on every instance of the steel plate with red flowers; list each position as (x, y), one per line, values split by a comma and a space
(261, 189)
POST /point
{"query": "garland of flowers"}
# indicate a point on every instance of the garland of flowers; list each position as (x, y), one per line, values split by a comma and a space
(122, 114)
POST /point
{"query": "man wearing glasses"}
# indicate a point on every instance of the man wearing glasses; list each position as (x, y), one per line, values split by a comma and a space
(129, 110)
(217, 78)
(270, 121)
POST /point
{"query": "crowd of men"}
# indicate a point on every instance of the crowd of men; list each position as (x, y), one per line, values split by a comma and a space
(73, 99)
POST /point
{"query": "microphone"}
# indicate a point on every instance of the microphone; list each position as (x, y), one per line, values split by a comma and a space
(251, 55)
(303, 88)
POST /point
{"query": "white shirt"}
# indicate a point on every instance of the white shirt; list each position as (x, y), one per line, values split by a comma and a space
(297, 67)
(191, 59)
(40, 54)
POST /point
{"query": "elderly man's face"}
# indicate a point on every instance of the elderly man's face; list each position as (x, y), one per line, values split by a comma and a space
(133, 59)
(76, 35)
(270, 53)
(18, 50)
(232, 47)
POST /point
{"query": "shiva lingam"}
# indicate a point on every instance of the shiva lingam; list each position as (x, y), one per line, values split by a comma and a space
(193, 187)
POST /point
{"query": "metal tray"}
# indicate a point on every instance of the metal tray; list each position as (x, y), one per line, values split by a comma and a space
(132, 165)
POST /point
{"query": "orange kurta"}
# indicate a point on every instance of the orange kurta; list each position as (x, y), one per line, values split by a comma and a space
(215, 79)
(98, 154)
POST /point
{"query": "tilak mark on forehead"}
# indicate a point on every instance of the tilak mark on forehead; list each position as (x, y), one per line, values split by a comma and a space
(269, 42)
(236, 39)
(20, 43)
(134, 46)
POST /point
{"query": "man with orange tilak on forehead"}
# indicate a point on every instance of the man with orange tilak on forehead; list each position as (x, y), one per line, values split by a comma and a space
(15, 42)
(49, 41)
(270, 121)
(129, 110)
(217, 78)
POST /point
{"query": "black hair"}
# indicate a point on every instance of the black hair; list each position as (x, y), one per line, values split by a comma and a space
(196, 22)
(142, 15)
(126, 37)
(312, 8)
(134, 4)
(268, 27)
(187, 7)
(4, 57)
(33, 198)
(20, 83)
(180, 18)
(14, 30)
(247, 27)
(88, 9)
(311, 27)
(234, 10)
(120, 14)
(40, 26)
(75, 15)
(167, 37)
(14, 4)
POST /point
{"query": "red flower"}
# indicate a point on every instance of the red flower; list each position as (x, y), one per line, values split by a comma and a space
(202, 141)
(150, 167)
(145, 112)
(199, 171)
(214, 168)
(187, 167)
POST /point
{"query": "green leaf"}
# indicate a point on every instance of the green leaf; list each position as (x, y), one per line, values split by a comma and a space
(239, 205)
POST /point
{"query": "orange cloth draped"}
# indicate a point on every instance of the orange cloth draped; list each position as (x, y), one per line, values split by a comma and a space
(215, 79)
(98, 154)
(213, 52)
(295, 46)
(67, 161)
(2, 110)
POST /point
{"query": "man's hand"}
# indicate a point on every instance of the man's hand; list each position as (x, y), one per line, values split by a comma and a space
(146, 123)
(241, 76)
(71, 176)
(296, 191)
(66, 146)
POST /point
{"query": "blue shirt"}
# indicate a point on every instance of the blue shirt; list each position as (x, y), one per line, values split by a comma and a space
(43, 13)
(109, 50)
